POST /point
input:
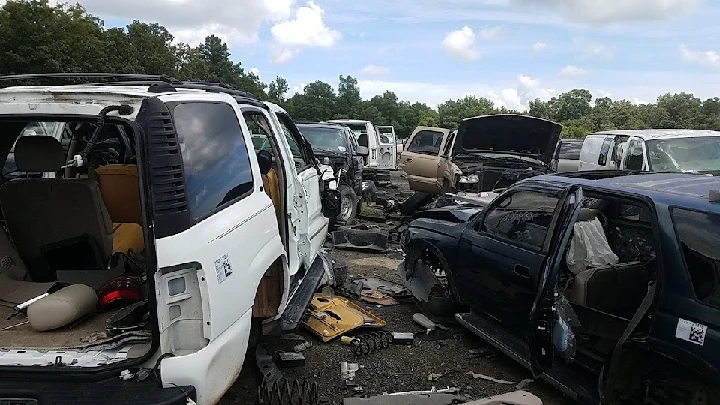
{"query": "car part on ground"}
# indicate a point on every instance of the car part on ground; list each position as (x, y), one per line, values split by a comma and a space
(332, 316)
(288, 392)
(360, 238)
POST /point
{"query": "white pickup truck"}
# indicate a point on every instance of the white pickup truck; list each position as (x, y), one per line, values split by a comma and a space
(154, 235)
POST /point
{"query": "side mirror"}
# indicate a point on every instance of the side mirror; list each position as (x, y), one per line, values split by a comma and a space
(363, 150)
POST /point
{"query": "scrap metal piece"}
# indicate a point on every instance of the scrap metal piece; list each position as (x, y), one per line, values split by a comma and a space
(510, 398)
(333, 316)
(290, 359)
(371, 342)
(347, 372)
(271, 373)
(360, 239)
(376, 297)
(288, 392)
(412, 399)
(390, 288)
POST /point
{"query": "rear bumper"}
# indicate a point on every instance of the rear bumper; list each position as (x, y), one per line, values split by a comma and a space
(110, 391)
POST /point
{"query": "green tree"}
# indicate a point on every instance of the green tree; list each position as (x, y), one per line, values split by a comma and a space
(316, 102)
(349, 100)
(277, 89)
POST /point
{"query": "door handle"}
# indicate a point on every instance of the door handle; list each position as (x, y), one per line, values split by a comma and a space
(522, 271)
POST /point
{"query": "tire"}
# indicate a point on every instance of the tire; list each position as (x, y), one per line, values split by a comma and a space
(348, 205)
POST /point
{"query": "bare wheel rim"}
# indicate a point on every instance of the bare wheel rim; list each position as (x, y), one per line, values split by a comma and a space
(345, 208)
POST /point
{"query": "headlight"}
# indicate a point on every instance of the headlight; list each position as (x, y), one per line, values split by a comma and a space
(471, 179)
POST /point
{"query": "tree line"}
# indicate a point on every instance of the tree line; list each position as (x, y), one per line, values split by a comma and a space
(36, 37)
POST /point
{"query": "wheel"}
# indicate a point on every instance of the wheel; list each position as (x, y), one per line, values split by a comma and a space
(348, 205)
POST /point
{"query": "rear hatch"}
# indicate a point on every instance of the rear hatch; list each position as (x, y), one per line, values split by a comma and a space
(508, 133)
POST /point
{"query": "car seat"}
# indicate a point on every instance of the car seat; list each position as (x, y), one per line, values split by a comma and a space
(270, 180)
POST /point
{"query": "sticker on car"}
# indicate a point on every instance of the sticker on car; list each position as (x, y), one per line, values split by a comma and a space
(691, 332)
(223, 268)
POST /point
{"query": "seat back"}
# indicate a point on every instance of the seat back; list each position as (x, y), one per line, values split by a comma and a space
(119, 190)
(42, 212)
(614, 289)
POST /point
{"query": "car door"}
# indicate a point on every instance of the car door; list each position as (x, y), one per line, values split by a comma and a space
(309, 175)
(388, 155)
(543, 314)
(421, 158)
(500, 256)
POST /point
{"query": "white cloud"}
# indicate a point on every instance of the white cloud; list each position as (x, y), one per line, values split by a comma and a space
(460, 44)
(516, 98)
(593, 50)
(539, 46)
(707, 58)
(572, 71)
(602, 93)
(375, 70)
(190, 21)
(307, 30)
(608, 12)
(489, 33)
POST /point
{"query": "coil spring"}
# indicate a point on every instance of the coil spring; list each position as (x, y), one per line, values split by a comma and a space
(288, 392)
(371, 342)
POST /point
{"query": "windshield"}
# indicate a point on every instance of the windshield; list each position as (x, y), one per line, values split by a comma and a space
(327, 139)
(696, 154)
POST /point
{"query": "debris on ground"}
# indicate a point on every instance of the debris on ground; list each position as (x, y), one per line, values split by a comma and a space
(376, 297)
(360, 238)
(347, 372)
(488, 378)
(434, 376)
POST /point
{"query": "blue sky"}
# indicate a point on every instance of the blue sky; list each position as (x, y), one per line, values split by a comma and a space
(510, 51)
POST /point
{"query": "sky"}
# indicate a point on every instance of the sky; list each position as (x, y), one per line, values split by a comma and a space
(510, 51)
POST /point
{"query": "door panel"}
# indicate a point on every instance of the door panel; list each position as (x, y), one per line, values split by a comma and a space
(501, 256)
(388, 151)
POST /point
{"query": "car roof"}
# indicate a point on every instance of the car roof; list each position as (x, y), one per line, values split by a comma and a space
(649, 134)
(684, 189)
(351, 121)
(321, 125)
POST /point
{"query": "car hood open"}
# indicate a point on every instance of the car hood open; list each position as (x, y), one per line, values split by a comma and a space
(508, 133)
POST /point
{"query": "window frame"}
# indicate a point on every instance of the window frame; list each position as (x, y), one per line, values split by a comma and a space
(307, 156)
(605, 150)
(480, 227)
(421, 132)
(196, 220)
(683, 260)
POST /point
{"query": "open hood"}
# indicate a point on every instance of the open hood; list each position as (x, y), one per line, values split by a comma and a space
(511, 133)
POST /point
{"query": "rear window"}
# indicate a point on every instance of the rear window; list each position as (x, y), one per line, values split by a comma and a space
(426, 142)
(570, 150)
(215, 156)
(699, 236)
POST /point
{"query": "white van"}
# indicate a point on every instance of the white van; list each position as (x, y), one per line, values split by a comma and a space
(382, 154)
(662, 150)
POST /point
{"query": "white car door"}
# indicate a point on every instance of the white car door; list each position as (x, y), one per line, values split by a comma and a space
(388, 151)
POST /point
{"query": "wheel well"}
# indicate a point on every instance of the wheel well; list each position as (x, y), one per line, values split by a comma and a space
(269, 294)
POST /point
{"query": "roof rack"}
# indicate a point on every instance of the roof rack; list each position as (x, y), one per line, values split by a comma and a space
(144, 80)
(127, 76)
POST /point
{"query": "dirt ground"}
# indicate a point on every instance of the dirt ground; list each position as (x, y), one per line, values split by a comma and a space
(399, 367)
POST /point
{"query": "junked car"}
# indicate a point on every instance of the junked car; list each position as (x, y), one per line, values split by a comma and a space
(567, 155)
(155, 246)
(381, 158)
(605, 283)
(337, 149)
(426, 160)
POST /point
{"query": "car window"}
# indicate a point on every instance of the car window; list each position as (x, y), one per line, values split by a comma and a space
(604, 150)
(699, 237)
(300, 161)
(426, 142)
(524, 217)
(570, 150)
(258, 126)
(215, 157)
(635, 156)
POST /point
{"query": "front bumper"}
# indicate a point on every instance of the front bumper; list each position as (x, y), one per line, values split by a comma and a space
(45, 390)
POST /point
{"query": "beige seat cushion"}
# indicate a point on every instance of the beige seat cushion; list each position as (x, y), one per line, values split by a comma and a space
(62, 307)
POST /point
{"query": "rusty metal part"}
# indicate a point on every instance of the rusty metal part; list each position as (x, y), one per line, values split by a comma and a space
(371, 342)
(330, 317)
(288, 392)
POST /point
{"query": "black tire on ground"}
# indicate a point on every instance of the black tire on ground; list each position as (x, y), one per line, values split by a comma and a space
(348, 196)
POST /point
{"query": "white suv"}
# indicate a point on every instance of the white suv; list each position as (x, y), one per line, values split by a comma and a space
(161, 239)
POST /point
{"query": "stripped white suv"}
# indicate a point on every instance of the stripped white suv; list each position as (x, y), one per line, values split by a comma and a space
(152, 242)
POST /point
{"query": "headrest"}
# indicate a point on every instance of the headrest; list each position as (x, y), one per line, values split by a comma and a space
(38, 154)
(587, 214)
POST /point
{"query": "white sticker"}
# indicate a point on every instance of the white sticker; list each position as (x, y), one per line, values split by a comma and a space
(691, 332)
(223, 268)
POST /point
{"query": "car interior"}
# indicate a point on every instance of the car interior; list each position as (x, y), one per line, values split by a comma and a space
(72, 265)
(608, 265)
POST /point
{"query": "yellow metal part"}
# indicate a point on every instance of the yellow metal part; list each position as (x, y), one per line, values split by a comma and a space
(331, 317)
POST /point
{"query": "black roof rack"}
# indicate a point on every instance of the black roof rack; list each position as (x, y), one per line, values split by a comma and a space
(143, 80)
(126, 76)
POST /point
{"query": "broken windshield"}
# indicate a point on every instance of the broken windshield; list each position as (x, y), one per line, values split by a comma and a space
(697, 154)
(326, 139)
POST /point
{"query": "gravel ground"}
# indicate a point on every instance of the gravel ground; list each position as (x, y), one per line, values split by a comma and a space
(398, 368)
